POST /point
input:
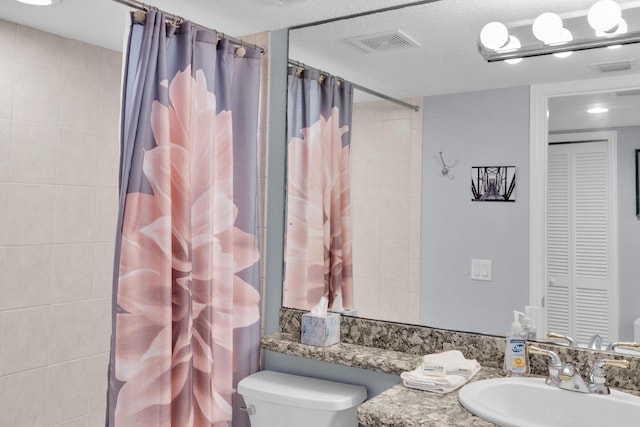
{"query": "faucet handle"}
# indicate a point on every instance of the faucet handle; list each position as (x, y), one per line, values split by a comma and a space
(613, 345)
(571, 341)
(598, 376)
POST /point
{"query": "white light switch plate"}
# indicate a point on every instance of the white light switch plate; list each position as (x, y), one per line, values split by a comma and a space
(481, 269)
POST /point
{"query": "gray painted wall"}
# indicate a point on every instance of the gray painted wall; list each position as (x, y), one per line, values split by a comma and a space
(485, 128)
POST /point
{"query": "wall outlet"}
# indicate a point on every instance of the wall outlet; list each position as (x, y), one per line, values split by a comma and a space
(481, 269)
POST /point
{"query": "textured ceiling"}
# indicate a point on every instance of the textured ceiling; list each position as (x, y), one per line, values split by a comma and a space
(447, 31)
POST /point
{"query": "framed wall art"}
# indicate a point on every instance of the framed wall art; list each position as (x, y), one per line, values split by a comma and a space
(493, 183)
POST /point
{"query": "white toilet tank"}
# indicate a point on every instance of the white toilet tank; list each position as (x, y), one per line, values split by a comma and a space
(284, 400)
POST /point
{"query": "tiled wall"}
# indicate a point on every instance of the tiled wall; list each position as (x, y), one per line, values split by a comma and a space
(59, 106)
(386, 151)
(262, 39)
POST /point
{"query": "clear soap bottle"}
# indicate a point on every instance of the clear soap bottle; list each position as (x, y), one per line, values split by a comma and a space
(516, 357)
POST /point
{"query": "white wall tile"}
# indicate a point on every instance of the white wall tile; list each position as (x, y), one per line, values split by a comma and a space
(79, 101)
(394, 218)
(101, 325)
(77, 157)
(75, 214)
(367, 212)
(76, 422)
(30, 217)
(4, 213)
(103, 269)
(110, 104)
(414, 243)
(394, 259)
(37, 46)
(26, 280)
(366, 258)
(24, 337)
(7, 40)
(106, 214)
(36, 99)
(67, 386)
(6, 87)
(23, 398)
(394, 178)
(96, 419)
(5, 147)
(394, 300)
(72, 273)
(396, 140)
(34, 153)
(71, 331)
(366, 296)
(111, 63)
(108, 160)
(80, 57)
(98, 387)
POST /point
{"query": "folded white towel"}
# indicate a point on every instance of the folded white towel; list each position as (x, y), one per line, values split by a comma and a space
(459, 371)
(454, 362)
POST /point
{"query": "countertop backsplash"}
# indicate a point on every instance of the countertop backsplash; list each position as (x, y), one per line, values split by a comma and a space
(488, 350)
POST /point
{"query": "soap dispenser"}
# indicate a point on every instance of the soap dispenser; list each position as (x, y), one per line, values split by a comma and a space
(529, 322)
(516, 359)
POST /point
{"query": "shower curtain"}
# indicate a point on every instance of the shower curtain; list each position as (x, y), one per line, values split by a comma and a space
(186, 275)
(318, 259)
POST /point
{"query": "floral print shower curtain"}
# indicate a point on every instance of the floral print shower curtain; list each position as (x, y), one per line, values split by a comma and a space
(318, 258)
(186, 275)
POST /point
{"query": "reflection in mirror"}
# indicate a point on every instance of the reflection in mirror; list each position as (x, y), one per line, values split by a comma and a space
(415, 229)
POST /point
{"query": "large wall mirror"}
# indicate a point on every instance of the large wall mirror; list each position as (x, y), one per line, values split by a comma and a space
(416, 229)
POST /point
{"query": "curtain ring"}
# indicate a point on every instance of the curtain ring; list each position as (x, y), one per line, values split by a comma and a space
(321, 78)
(241, 51)
(299, 71)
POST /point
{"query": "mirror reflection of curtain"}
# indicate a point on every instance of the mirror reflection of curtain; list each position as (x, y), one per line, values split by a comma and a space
(186, 281)
(318, 257)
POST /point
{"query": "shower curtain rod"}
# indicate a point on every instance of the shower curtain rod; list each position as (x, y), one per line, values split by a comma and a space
(360, 88)
(179, 19)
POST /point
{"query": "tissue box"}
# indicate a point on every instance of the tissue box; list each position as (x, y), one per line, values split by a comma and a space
(320, 330)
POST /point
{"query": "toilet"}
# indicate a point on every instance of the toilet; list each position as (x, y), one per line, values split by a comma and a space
(285, 400)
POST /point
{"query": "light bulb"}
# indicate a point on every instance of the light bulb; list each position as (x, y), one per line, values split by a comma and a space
(547, 27)
(513, 43)
(564, 37)
(597, 110)
(620, 28)
(604, 15)
(494, 35)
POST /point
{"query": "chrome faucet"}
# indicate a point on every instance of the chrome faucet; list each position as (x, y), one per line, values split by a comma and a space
(595, 342)
(612, 346)
(564, 376)
(571, 380)
(572, 342)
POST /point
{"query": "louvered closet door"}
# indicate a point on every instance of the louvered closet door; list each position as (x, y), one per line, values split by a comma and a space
(578, 256)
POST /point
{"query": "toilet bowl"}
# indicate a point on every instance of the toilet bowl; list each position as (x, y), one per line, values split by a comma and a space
(285, 400)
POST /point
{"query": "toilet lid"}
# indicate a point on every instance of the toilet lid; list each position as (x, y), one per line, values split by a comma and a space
(299, 391)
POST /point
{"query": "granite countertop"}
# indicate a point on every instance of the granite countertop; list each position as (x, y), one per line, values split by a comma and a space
(400, 406)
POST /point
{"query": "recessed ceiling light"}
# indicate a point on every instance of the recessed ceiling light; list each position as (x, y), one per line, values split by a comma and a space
(597, 110)
(39, 2)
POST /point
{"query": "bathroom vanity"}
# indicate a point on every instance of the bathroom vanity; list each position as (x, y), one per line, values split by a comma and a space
(394, 348)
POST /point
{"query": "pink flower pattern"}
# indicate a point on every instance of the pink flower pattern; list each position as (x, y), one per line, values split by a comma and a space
(178, 291)
(318, 259)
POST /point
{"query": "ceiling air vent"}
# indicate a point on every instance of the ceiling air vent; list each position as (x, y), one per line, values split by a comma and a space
(608, 67)
(384, 42)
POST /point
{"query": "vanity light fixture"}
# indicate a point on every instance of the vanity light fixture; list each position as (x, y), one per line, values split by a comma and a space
(597, 110)
(602, 25)
(39, 2)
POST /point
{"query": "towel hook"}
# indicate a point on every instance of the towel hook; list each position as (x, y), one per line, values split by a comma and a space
(445, 167)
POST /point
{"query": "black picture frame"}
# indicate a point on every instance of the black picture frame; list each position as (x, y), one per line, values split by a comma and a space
(493, 183)
(638, 183)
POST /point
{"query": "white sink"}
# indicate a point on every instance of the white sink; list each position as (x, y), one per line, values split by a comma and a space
(529, 402)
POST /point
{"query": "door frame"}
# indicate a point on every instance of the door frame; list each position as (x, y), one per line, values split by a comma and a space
(538, 149)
